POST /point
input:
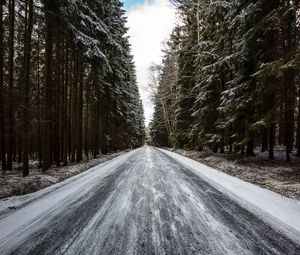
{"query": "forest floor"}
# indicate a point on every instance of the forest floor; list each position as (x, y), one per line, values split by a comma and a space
(276, 175)
(13, 184)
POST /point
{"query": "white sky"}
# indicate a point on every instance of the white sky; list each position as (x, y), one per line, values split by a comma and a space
(149, 24)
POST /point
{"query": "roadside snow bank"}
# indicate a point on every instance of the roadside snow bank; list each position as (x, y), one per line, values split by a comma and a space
(11, 204)
(14, 184)
(20, 216)
(281, 212)
(276, 175)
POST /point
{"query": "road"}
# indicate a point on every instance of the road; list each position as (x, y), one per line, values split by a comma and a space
(147, 203)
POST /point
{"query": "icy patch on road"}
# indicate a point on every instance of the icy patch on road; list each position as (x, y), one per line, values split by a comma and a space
(279, 211)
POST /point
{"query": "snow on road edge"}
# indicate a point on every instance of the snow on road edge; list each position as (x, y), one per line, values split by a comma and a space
(8, 205)
(280, 212)
(36, 209)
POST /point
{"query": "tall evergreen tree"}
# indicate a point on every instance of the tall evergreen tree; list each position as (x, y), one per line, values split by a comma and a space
(71, 84)
(186, 71)
(237, 77)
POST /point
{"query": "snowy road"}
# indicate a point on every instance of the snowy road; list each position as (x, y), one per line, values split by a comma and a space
(143, 202)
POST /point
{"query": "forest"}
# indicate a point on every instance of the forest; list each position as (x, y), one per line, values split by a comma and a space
(68, 87)
(229, 80)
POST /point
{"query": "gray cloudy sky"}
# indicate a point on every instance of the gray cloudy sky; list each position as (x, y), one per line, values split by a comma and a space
(150, 23)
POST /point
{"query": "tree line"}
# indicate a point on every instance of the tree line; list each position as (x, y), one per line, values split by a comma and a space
(230, 78)
(68, 88)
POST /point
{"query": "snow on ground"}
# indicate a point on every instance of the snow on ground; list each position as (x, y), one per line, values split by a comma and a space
(281, 212)
(145, 201)
(276, 175)
(59, 194)
(13, 184)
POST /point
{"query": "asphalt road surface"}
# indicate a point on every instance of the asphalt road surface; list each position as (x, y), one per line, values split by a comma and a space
(147, 203)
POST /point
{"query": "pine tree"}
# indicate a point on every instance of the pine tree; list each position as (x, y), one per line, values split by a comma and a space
(186, 74)
(212, 73)
(71, 84)
(237, 77)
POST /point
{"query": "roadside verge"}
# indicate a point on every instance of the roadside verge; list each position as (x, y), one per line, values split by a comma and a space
(13, 184)
(280, 212)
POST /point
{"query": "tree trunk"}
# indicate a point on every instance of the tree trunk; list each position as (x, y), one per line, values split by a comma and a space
(281, 125)
(11, 43)
(26, 107)
(298, 125)
(264, 145)
(2, 126)
(79, 114)
(57, 102)
(222, 144)
(289, 115)
(39, 105)
(48, 86)
(215, 148)
(86, 125)
(289, 84)
(62, 112)
(271, 141)
(74, 107)
(250, 147)
(65, 107)
(27, 85)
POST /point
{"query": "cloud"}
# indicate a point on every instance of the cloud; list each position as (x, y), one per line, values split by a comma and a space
(150, 24)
